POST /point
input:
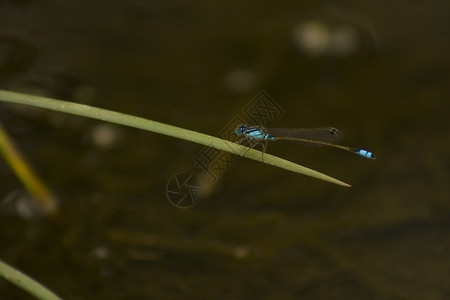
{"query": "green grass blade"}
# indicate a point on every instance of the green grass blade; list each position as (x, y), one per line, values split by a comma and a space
(26, 283)
(161, 128)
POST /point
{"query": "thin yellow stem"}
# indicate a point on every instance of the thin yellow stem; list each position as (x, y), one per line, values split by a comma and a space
(36, 187)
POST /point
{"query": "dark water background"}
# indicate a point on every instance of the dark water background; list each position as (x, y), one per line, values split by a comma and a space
(377, 70)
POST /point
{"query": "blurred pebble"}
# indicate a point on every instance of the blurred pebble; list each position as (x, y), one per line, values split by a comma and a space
(344, 41)
(105, 136)
(312, 38)
(240, 81)
(21, 204)
(241, 252)
(100, 252)
(317, 38)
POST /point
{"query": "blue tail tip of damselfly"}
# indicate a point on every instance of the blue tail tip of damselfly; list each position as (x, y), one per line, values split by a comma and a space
(365, 153)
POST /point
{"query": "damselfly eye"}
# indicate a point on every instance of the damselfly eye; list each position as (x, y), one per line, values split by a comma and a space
(241, 129)
(334, 131)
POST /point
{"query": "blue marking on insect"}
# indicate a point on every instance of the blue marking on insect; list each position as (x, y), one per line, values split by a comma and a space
(256, 133)
(365, 153)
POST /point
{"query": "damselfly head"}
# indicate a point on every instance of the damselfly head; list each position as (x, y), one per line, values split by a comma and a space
(241, 129)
